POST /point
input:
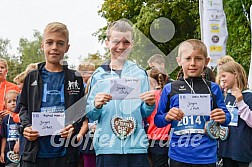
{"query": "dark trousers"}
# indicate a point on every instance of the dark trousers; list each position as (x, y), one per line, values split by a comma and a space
(159, 160)
(122, 160)
(174, 163)
(228, 162)
(51, 162)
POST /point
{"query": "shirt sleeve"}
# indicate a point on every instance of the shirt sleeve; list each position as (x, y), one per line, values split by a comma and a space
(245, 112)
(159, 119)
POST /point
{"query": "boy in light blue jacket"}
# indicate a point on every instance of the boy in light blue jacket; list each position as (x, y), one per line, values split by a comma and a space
(119, 98)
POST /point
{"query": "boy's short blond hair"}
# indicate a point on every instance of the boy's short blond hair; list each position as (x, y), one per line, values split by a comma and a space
(8, 93)
(57, 27)
(5, 63)
(30, 67)
(86, 66)
(224, 59)
(20, 77)
(157, 58)
(192, 44)
(120, 26)
(220, 62)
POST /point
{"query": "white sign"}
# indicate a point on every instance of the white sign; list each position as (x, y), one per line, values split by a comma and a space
(125, 88)
(195, 104)
(48, 123)
(213, 29)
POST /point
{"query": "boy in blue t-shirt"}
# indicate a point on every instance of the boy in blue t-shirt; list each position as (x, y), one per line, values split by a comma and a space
(52, 88)
(189, 145)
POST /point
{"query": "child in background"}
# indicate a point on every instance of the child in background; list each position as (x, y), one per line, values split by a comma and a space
(158, 137)
(31, 67)
(87, 154)
(236, 151)
(158, 61)
(86, 69)
(189, 145)
(19, 80)
(9, 131)
(87, 148)
(220, 62)
(208, 74)
(5, 86)
(223, 60)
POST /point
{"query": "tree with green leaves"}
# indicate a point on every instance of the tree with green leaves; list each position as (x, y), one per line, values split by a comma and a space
(95, 58)
(185, 16)
(30, 50)
(14, 67)
(182, 13)
(239, 32)
(4, 46)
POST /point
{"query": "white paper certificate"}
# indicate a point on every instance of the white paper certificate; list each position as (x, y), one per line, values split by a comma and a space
(125, 88)
(195, 104)
(48, 123)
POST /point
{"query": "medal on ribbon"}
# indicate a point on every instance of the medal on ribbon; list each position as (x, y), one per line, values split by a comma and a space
(215, 131)
(224, 133)
(13, 157)
(212, 129)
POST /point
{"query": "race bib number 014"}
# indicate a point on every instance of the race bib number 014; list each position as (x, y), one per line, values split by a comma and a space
(189, 124)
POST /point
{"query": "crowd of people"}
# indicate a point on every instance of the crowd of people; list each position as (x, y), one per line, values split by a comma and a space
(132, 117)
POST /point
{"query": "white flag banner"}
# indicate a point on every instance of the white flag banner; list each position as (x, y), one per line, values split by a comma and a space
(250, 70)
(213, 29)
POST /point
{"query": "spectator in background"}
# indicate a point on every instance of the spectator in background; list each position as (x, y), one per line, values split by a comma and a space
(9, 131)
(86, 69)
(87, 154)
(220, 62)
(19, 80)
(223, 60)
(158, 137)
(208, 74)
(236, 151)
(156, 60)
(5, 86)
(31, 67)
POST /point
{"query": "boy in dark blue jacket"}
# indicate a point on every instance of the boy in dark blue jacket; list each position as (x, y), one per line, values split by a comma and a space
(189, 145)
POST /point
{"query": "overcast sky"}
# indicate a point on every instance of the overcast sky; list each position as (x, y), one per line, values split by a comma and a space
(18, 19)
